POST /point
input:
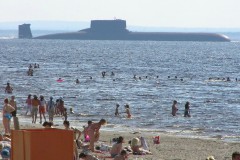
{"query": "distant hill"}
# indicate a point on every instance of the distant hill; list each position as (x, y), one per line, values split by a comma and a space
(75, 26)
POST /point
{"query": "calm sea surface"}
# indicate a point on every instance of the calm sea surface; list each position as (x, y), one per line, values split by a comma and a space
(215, 104)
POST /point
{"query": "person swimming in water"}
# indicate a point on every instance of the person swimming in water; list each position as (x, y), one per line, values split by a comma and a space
(8, 88)
(127, 107)
(103, 74)
(77, 81)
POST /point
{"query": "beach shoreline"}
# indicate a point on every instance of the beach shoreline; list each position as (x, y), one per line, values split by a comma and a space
(171, 147)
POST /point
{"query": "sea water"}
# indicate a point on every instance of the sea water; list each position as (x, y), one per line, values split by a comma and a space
(168, 70)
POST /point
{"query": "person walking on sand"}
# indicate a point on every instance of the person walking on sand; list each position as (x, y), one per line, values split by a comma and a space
(29, 104)
(94, 134)
(42, 109)
(187, 110)
(8, 88)
(51, 109)
(127, 107)
(174, 108)
(6, 113)
(35, 104)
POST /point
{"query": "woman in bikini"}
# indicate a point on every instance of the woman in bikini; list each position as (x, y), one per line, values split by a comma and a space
(94, 134)
(7, 109)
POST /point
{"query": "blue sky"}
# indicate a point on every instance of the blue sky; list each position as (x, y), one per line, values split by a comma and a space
(158, 13)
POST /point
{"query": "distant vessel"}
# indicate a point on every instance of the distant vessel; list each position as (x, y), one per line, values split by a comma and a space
(116, 30)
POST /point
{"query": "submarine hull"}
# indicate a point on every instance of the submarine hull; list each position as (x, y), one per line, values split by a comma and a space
(140, 36)
(116, 30)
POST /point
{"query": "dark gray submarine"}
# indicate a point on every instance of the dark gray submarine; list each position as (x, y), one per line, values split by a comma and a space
(116, 30)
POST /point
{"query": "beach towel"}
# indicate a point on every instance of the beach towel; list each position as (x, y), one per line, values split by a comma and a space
(144, 143)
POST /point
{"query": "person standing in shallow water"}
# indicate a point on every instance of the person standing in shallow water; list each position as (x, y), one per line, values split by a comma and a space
(29, 104)
(34, 111)
(116, 110)
(174, 108)
(51, 109)
(42, 108)
(187, 110)
(128, 111)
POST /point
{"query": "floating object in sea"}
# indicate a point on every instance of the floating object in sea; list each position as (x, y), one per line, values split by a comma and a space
(60, 80)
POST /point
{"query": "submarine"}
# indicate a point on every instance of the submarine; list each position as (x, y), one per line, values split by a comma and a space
(117, 30)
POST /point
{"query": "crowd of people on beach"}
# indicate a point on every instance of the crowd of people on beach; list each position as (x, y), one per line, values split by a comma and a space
(91, 132)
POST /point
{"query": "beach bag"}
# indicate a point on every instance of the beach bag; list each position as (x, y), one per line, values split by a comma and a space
(156, 140)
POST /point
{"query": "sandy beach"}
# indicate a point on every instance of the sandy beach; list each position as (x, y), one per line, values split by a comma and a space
(170, 148)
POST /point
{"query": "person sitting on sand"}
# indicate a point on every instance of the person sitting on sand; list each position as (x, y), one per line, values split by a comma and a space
(128, 111)
(187, 110)
(116, 110)
(87, 156)
(236, 156)
(117, 147)
(136, 148)
(8, 88)
(94, 134)
(121, 156)
(174, 108)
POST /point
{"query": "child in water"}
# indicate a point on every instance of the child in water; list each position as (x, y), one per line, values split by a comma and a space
(128, 111)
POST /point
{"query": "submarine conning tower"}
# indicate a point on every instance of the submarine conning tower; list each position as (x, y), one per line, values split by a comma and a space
(24, 31)
(108, 26)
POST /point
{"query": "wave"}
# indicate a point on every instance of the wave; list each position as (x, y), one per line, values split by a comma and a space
(8, 37)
